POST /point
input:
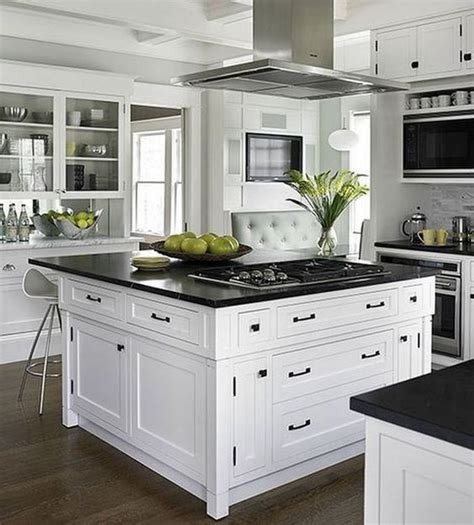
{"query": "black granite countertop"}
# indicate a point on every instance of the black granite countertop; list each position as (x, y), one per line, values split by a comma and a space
(440, 404)
(403, 244)
(174, 282)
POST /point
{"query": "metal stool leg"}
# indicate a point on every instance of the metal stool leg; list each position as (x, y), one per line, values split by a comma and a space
(32, 351)
(45, 366)
(59, 317)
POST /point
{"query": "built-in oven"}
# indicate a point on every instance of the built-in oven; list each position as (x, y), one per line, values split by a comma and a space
(438, 146)
(447, 317)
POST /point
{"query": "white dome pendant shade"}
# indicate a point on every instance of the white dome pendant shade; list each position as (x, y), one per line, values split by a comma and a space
(343, 139)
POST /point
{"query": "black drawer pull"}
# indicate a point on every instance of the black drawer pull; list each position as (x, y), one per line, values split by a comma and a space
(297, 427)
(164, 319)
(297, 374)
(378, 305)
(415, 64)
(263, 373)
(413, 299)
(403, 338)
(368, 356)
(299, 319)
(94, 299)
(120, 347)
(467, 57)
(255, 327)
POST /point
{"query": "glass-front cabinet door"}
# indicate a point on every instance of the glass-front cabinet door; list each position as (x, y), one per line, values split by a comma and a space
(92, 147)
(27, 143)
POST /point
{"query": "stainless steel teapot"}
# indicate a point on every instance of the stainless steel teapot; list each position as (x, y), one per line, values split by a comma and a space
(413, 225)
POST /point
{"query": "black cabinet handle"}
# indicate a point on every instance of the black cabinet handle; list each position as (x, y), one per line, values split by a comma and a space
(303, 373)
(467, 57)
(300, 319)
(368, 356)
(94, 299)
(164, 319)
(413, 299)
(263, 373)
(403, 338)
(297, 427)
(120, 347)
(378, 305)
(415, 64)
(255, 327)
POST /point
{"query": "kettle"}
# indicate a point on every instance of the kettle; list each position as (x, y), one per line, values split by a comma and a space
(413, 225)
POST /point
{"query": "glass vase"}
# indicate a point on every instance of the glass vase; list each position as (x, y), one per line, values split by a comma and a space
(327, 241)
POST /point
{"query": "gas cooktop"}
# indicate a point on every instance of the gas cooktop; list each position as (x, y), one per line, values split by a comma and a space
(290, 273)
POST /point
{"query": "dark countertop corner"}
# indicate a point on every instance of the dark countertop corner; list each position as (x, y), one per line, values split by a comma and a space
(440, 404)
(451, 248)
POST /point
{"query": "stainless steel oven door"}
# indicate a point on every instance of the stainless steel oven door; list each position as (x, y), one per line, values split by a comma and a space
(447, 317)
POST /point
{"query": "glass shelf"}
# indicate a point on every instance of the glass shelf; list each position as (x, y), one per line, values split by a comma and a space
(29, 157)
(25, 124)
(90, 128)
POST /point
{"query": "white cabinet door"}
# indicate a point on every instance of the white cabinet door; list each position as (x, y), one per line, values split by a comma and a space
(250, 427)
(396, 53)
(469, 42)
(409, 357)
(169, 405)
(439, 47)
(100, 372)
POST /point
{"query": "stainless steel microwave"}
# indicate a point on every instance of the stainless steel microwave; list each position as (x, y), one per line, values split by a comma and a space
(439, 146)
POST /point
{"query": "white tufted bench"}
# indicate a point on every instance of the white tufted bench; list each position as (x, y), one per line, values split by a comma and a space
(277, 230)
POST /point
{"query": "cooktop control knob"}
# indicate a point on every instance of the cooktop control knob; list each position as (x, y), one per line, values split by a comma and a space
(269, 275)
(281, 276)
(244, 276)
(256, 275)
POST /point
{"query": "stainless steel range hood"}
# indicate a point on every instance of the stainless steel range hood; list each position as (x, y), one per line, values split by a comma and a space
(293, 51)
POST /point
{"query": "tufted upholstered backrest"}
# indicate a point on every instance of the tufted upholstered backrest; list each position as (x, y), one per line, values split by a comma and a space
(277, 230)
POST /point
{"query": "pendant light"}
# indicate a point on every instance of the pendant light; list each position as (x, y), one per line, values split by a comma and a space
(343, 139)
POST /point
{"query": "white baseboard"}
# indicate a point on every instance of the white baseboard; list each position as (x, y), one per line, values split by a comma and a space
(16, 347)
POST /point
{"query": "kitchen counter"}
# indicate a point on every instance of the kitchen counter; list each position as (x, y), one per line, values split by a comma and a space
(42, 242)
(440, 404)
(403, 244)
(174, 281)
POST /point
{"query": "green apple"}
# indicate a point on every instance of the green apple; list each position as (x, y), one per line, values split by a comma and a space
(233, 241)
(208, 237)
(221, 246)
(194, 246)
(90, 222)
(173, 243)
(82, 215)
(82, 224)
(188, 235)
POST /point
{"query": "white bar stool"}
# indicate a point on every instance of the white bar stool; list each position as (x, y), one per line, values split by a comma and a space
(38, 286)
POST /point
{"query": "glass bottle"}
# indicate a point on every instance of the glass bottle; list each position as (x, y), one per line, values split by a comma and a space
(3, 224)
(11, 235)
(24, 225)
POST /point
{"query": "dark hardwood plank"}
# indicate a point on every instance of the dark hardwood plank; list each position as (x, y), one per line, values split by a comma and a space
(49, 474)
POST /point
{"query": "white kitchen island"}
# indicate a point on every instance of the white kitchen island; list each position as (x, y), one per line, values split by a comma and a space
(230, 392)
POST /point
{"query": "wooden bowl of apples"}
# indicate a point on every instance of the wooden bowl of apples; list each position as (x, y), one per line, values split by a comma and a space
(207, 248)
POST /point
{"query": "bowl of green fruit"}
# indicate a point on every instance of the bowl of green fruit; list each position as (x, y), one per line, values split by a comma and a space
(44, 222)
(208, 247)
(78, 226)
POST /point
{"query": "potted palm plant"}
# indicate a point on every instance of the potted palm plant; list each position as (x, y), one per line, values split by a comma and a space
(326, 196)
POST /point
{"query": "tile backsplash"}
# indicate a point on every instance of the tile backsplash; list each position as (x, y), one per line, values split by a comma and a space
(446, 202)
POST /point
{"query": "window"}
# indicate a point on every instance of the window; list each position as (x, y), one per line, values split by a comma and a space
(359, 161)
(158, 199)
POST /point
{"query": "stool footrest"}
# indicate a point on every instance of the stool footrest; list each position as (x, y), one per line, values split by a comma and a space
(29, 369)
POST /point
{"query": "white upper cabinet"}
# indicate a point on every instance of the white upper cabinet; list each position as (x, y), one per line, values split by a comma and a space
(396, 53)
(431, 48)
(352, 53)
(439, 47)
(469, 42)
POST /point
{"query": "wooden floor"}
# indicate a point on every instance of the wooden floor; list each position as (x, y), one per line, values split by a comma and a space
(50, 475)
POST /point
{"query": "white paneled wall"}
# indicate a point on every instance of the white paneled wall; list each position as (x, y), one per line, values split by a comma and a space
(230, 116)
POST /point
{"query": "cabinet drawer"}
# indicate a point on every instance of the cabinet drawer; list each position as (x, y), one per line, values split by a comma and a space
(318, 368)
(179, 323)
(411, 299)
(254, 327)
(319, 315)
(309, 426)
(94, 299)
